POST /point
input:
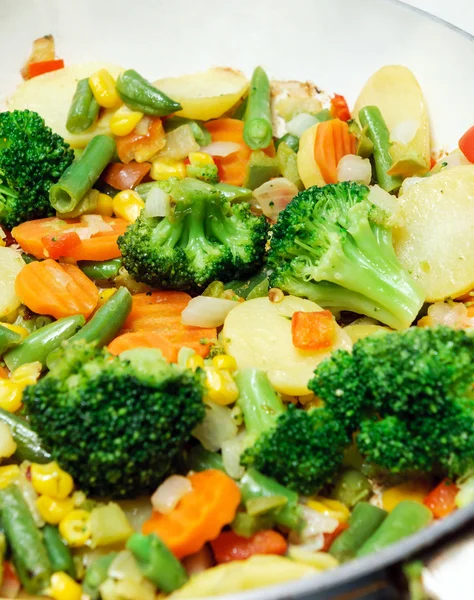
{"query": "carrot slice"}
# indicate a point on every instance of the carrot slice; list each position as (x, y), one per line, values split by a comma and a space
(142, 146)
(333, 141)
(44, 66)
(200, 515)
(232, 167)
(144, 339)
(60, 290)
(313, 330)
(229, 546)
(466, 144)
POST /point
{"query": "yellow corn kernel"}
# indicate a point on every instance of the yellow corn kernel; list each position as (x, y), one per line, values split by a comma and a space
(128, 205)
(103, 87)
(223, 361)
(8, 474)
(17, 329)
(164, 169)
(27, 374)
(63, 587)
(105, 295)
(409, 490)
(195, 362)
(7, 443)
(75, 528)
(331, 508)
(221, 387)
(200, 159)
(2, 243)
(105, 205)
(53, 510)
(51, 480)
(124, 121)
(11, 393)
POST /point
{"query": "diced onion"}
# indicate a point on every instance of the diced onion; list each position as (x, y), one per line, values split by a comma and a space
(143, 126)
(387, 202)
(299, 124)
(220, 148)
(217, 427)
(316, 524)
(158, 203)
(205, 311)
(354, 168)
(274, 195)
(408, 183)
(180, 143)
(453, 159)
(170, 492)
(316, 543)
(404, 132)
(96, 223)
(124, 567)
(231, 452)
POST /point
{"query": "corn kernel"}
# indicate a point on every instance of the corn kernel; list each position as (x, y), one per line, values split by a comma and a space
(2, 243)
(17, 329)
(221, 387)
(223, 361)
(8, 474)
(63, 587)
(75, 528)
(11, 393)
(7, 443)
(27, 374)
(128, 205)
(331, 508)
(53, 510)
(124, 121)
(103, 87)
(51, 480)
(409, 490)
(162, 169)
(105, 205)
(200, 159)
(195, 362)
(105, 295)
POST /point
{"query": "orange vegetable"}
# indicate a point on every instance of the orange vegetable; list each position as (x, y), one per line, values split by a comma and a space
(229, 546)
(3, 373)
(339, 108)
(10, 587)
(60, 244)
(330, 537)
(199, 516)
(60, 290)
(126, 177)
(466, 144)
(45, 66)
(232, 167)
(142, 146)
(313, 330)
(333, 141)
(100, 246)
(442, 500)
(144, 339)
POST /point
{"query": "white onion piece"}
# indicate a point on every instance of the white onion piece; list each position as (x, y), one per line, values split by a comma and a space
(453, 314)
(170, 492)
(316, 524)
(231, 451)
(299, 124)
(198, 562)
(217, 427)
(453, 159)
(404, 132)
(274, 195)
(143, 125)
(316, 544)
(354, 168)
(220, 148)
(158, 203)
(408, 183)
(96, 223)
(205, 311)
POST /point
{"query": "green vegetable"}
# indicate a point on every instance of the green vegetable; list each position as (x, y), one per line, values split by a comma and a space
(87, 205)
(288, 164)
(157, 562)
(260, 168)
(24, 538)
(59, 554)
(206, 238)
(239, 112)
(465, 495)
(96, 575)
(333, 246)
(258, 130)
(290, 140)
(324, 115)
(377, 131)
(144, 189)
(30, 320)
(200, 133)
(41, 342)
(233, 192)
(351, 487)
(139, 94)
(200, 459)
(107, 269)
(406, 518)
(207, 173)
(79, 177)
(8, 338)
(255, 287)
(365, 147)
(84, 108)
(127, 444)
(28, 444)
(247, 526)
(413, 571)
(32, 159)
(363, 522)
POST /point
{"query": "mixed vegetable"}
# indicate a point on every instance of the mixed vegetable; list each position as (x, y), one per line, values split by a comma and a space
(235, 329)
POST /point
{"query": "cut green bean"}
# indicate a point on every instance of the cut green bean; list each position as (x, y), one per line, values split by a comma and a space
(258, 130)
(39, 344)
(28, 444)
(247, 526)
(84, 108)
(139, 94)
(406, 518)
(8, 339)
(107, 269)
(377, 131)
(291, 140)
(59, 554)
(200, 133)
(96, 574)
(24, 538)
(86, 206)
(351, 487)
(81, 175)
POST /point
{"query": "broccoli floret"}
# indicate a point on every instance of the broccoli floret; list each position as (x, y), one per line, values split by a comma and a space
(206, 238)
(408, 396)
(300, 449)
(333, 246)
(115, 424)
(32, 159)
(207, 173)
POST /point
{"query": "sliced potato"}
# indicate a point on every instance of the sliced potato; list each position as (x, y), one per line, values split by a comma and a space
(397, 93)
(50, 95)
(308, 168)
(257, 333)
(206, 95)
(11, 264)
(436, 242)
(364, 327)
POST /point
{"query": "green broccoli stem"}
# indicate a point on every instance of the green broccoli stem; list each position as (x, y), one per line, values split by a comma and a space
(200, 459)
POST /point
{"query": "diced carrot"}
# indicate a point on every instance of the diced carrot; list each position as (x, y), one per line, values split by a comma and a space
(466, 144)
(339, 108)
(330, 537)
(60, 244)
(229, 546)
(10, 586)
(199, 516)
(333, 141)
(141, 147)
(442, 500)
(432, 162)
(49, 288)
(232, 167)
(144, 339)
(313, 330)
(126, 176)
(45, 66)
(3, 372)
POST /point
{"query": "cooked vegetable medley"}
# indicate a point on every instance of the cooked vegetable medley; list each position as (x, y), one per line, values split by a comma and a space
(235, 329)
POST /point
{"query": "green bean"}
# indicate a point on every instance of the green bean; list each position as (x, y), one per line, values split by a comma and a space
(363, 522)
(39, 344)
(96, 574)
(377, 131)
(84, 108)
(24, 538)
(107, 269)
(86, 206)
(139, 94)
(291, 140)
(351, 487)
(200, 133)
(59, 554)
(81, 175)
(233, 192)
(28, 444)
(247, 526)
(258, 130)
(406, 518)
(8, 338)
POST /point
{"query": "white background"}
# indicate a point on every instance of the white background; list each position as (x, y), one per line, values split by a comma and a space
(458, 12)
